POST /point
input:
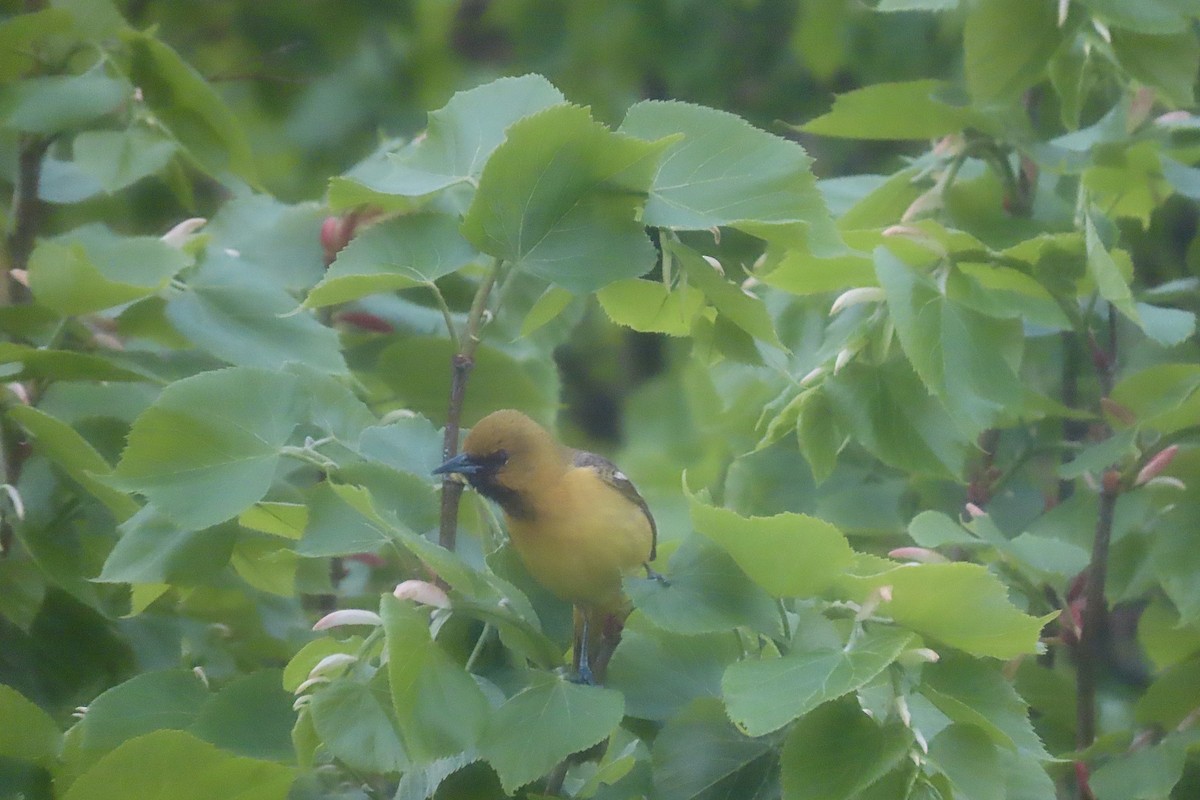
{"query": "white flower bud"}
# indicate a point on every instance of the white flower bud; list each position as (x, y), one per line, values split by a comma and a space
(347, 616)
(853, 297)
(424, 592)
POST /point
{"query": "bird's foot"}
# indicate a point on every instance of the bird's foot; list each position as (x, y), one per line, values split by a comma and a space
(584, 676)
(654, 575)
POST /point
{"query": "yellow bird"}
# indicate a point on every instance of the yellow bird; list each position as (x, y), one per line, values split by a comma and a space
(577, 522)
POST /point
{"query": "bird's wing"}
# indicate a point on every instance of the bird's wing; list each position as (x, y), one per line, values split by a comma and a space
(609, 473)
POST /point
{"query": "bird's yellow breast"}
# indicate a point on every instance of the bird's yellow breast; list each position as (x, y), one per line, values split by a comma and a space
(582, 536)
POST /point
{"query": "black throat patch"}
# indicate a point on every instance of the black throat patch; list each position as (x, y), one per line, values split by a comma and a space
(513, 502)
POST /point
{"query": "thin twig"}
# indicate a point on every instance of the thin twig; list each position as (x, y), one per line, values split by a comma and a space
(460, 366)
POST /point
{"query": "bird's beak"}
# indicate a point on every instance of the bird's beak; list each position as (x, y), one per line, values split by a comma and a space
(461, 464)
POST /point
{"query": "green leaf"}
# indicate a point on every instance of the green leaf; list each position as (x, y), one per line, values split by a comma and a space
(244, 320)
(120, 158)
(1145, 16)
(836, 751)
(909, 110)
(460, 138)
(190, 108)
(555, 718)
(934, 529)
(659, 672)
(154, 549)
(968, 758)
(650, 307)
(251, 716)
(789, 555)
(351, 720)
(207, 449)
(960, 604)
(440, 708)
(975, 693)
(266, 563)
(547, 307)
(57, 103)
(699, 753)
(301, 664)
(1172, 696)
(1162, 638)
(336, 528)
(400, 253)
(20, 35)
(1167, 326)
(708, 593)
(279, 243)
(888, 411)
(497, 380)
(561, 197)
(1168, 63)
(745, 310)
(763, 695)
(1149, 773)
(174, 765)
(1008, 44)
(410, 444)
(167, 699)
(723, 171)
(28, 733)
(90, 269)
(287, 520)
(818, 435)
(1110, 282)
(1164, 397)
(1115, 451)
(60, 443)
(23, 589)
(967, 359)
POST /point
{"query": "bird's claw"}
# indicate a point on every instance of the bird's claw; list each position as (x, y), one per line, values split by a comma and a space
(654, 575)
(584, 676)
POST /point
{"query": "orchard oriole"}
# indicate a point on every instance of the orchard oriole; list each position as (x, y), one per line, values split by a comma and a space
(577, 522)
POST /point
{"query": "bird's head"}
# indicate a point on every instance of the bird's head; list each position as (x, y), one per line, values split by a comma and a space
(505, 449)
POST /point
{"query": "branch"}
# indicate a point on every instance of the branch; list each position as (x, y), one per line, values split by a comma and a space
(26, 214)
(461, 365)
(1095, 613)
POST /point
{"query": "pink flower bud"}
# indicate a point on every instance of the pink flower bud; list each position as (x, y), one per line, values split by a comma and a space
(1162, 459)
(974, 511)
(921, 555)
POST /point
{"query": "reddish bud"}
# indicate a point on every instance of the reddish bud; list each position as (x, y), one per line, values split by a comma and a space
(1082, 776)
(1162, 459)
(1117, 411)
(1111, 482)
(336, 233)
(370, 559)
(368, 322)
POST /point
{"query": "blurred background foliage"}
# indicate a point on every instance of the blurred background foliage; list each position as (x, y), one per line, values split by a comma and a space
(320, 86)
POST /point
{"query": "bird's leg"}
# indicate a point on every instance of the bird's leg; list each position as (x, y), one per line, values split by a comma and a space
(583, 668)
(654, 575)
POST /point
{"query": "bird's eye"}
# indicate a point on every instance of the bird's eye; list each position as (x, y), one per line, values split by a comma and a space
(495, 460)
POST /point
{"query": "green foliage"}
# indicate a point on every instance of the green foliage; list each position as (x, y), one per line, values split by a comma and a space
(925, 410)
